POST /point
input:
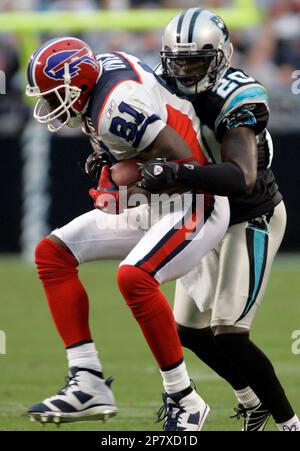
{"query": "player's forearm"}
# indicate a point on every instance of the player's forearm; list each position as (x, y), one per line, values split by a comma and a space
(169, 145)
(143, 196)
(224, 179)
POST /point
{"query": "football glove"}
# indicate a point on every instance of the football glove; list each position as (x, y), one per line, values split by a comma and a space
(94, 164)
(106, 195)
(157, 174)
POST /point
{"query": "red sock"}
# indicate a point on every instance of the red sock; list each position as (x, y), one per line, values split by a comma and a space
(153, 313)
(66, 296)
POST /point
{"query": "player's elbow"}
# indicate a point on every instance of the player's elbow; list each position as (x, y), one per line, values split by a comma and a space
(250, 180)
(243, 179)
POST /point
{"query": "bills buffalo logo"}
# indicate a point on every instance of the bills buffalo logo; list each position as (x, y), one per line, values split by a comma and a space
(55, 67)
(219, 22)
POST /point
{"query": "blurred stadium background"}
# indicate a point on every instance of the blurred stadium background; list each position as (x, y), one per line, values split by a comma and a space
(42, 187)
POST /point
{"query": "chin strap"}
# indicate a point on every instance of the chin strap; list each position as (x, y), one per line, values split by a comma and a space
(74, 121)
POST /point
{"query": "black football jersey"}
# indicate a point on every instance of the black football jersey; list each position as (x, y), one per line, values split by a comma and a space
(239, 100)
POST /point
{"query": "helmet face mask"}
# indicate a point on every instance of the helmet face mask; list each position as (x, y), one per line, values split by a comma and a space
(189, 69)
(61, 75)
(54, 107)
(196, 50)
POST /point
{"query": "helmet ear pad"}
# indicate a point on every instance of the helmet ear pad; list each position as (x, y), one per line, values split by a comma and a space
(86, 88)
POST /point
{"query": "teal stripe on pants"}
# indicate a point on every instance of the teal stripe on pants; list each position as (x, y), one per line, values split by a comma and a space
(257, 243)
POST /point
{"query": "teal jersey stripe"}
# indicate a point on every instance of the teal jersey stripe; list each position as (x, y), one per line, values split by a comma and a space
(250, 94)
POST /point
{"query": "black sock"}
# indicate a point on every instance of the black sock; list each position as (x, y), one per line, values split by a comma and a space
(202, 343)
(259, 372)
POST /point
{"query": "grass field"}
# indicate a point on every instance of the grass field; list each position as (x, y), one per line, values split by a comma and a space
(34, 366)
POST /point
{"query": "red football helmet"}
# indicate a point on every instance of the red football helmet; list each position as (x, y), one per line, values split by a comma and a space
(61, 75)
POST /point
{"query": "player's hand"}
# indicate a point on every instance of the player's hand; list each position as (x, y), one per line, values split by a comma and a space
(157, 174)
(94, 164)
(106, 195)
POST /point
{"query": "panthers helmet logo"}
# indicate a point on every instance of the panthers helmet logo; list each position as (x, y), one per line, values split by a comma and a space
(219, 22)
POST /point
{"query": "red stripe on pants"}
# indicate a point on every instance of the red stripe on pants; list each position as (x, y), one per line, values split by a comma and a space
(179, 236)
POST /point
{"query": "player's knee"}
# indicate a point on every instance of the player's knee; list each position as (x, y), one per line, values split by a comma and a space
(41, 251)
(140, 291)
(134, 283)
(184, 334)
(220, 330)
(231, 342)
(191, 338)
(53, 262)
(46, 251)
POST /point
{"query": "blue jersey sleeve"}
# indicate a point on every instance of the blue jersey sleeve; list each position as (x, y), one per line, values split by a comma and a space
(246, 107)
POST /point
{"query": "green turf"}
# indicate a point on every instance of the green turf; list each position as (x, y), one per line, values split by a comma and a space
(34, 366)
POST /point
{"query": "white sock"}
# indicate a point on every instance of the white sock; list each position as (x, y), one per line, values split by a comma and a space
(291, 425)
(176, 380)
(84, 356)
(247, 397)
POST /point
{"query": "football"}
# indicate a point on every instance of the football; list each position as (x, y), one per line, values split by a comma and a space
(126, 173)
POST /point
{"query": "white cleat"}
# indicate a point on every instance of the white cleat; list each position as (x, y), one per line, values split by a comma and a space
(86, 397)
(183, 411)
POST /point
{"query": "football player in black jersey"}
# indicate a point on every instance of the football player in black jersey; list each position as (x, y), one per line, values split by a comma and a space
(216, 303)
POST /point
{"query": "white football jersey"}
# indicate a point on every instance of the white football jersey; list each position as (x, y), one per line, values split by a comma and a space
(130, 105)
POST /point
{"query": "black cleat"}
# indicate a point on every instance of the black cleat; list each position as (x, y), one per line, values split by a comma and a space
(255, 418)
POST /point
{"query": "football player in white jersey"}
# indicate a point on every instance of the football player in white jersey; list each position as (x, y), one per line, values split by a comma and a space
(129, 113)
(216, 302)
